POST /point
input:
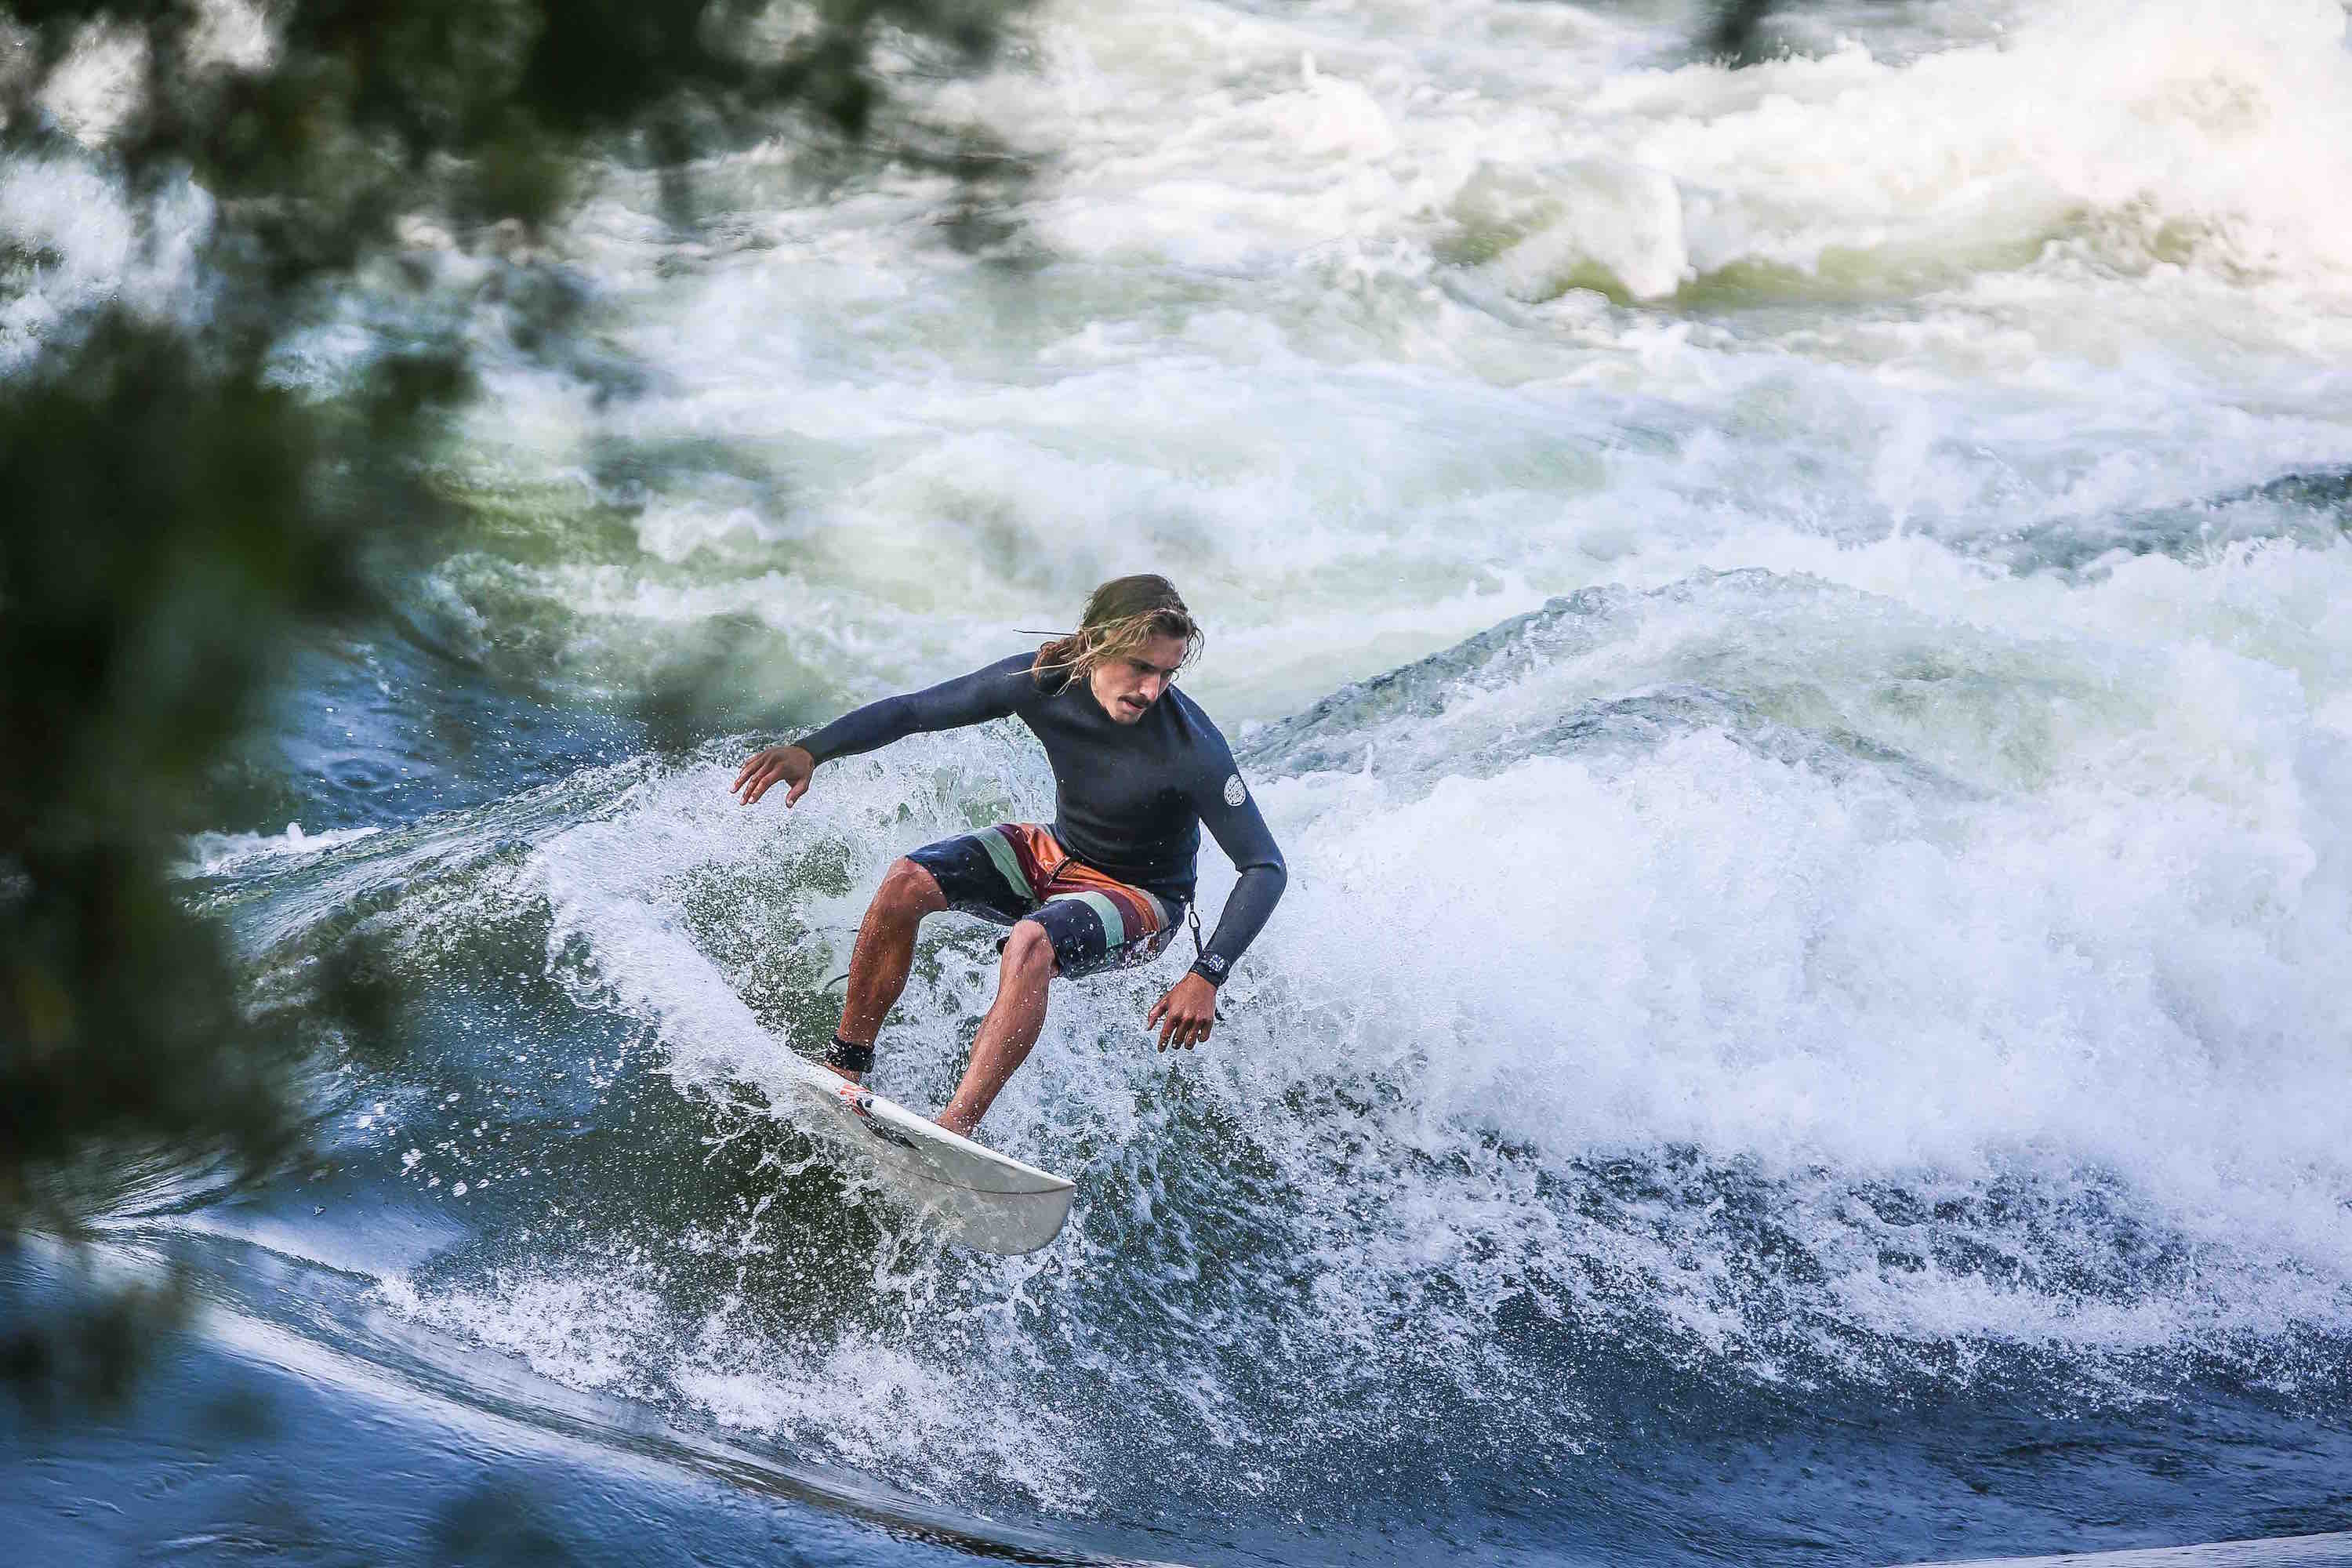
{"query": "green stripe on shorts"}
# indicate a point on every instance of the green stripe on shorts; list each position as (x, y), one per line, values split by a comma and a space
(1114, 925)
(1000, 850)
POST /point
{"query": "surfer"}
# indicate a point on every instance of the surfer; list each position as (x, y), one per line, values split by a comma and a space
(1138, 768)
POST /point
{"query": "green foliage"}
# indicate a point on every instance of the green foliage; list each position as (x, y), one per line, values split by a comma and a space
(176, 518)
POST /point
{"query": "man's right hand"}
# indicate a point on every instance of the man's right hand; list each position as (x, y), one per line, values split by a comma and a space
(762, 769)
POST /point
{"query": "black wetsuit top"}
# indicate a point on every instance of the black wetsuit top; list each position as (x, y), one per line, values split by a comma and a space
(1129, 798)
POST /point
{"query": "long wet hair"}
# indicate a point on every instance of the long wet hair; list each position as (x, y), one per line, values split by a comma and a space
(1122, 616)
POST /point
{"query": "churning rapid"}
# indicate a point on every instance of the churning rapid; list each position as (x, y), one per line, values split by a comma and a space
(1793, 626)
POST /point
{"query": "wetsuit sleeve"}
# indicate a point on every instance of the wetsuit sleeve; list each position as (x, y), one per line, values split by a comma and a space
(1229, 811)
(975, 698)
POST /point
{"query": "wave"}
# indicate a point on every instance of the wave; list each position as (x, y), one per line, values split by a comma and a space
(1653, 1009)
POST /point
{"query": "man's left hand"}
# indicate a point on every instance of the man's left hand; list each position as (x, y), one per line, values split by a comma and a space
(1186, 1014)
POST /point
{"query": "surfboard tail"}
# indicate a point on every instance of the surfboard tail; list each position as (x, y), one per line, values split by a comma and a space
(984, 1200)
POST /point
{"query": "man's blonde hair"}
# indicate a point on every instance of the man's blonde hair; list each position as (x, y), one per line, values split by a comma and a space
(1121, 618)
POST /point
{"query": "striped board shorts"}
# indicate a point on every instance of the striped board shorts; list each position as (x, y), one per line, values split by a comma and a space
(1019, 871)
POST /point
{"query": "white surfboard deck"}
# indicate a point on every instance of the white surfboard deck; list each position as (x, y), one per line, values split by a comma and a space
(988, 1201)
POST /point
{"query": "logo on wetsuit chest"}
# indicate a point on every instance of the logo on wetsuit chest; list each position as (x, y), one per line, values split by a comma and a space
(1234, 793)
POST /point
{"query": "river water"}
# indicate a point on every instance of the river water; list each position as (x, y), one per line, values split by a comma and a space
(1794, 625)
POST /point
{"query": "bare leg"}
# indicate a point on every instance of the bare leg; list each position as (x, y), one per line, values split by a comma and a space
(885, 950)
(1010, 1028)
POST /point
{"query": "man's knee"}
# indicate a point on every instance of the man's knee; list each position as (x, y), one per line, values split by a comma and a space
(908, 893)
(1028, 953)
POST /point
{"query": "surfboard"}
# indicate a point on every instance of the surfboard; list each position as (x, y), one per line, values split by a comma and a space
(988, 1201)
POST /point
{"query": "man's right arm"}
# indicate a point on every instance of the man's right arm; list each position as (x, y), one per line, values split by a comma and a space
(974, 698)
(993, 692)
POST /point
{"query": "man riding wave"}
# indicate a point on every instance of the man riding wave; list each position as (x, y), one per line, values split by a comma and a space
(1137, 770)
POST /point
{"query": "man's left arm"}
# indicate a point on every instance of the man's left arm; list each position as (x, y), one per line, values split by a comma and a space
(1229, 811)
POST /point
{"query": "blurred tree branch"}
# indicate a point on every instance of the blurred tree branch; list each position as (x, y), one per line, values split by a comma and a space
(175, 515)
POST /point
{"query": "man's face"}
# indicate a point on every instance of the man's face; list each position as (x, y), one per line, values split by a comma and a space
(1127, 688)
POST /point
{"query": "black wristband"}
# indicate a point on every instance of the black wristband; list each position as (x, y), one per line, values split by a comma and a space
(849, 1057)
(1210, 967)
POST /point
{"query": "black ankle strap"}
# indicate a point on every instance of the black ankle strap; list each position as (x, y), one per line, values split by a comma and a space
(849, 1057)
